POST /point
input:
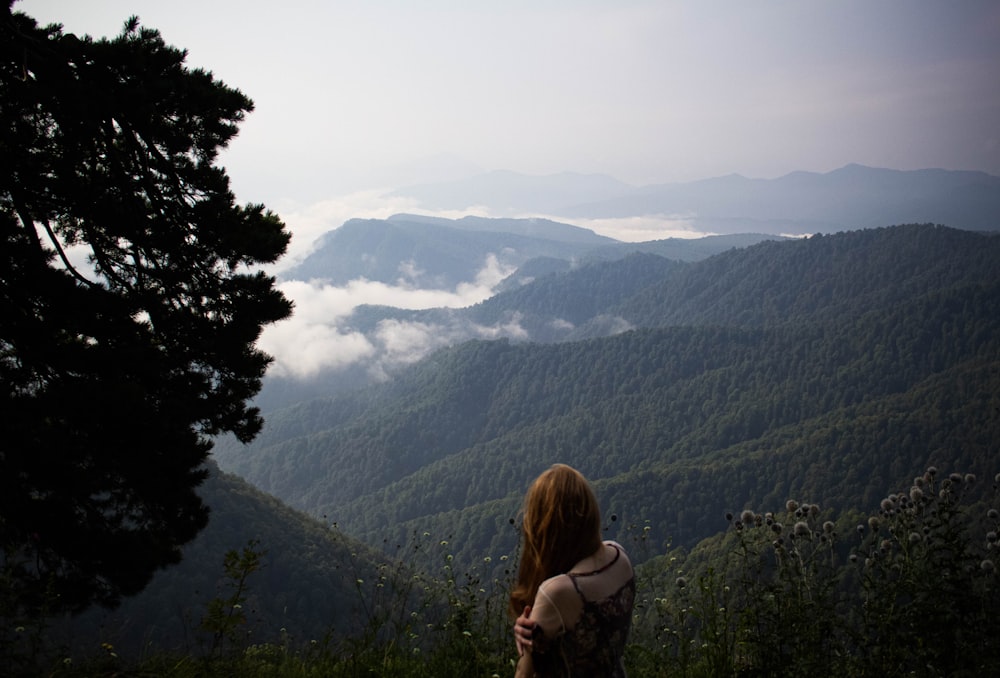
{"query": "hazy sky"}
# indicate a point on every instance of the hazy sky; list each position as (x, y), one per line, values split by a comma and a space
(355, 95)
(354, 98)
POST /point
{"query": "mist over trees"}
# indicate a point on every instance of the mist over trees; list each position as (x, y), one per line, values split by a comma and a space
(129, 309)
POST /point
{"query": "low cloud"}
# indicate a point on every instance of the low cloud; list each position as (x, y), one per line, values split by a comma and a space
(316, 337)
(319, 336)
(642, 229)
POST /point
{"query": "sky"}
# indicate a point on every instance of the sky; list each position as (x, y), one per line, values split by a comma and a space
(354, 98)
(355, 95)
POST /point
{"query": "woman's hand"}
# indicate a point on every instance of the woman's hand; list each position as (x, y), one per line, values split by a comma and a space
(524, 630)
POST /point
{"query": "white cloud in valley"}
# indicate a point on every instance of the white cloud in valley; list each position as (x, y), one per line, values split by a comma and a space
(317, 336)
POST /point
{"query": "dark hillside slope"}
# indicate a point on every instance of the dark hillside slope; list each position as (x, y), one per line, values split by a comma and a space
(454, 440)
(307, 583)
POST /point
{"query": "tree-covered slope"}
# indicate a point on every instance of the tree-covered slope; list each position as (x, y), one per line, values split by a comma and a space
(842, 275)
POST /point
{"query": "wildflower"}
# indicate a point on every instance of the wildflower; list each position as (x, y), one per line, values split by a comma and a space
(854, 557)
(828, 527)
(987, 566)
(915, 538)
(993, 514)
(916, 494)
(729, 516)
(955, 478)
(874, 523)
(681, 582)
(791, 505)
(747, 517)
(777, 528)
(970, 478)
(487, 559)
(932, 470)
(887, 505)
(814, 510)
(991, 536)
(861, 528)
(801, 529)
(19, 629)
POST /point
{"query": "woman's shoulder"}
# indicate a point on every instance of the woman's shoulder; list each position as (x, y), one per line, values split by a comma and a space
(559, 589)
(556, 584)
(622, 563)
(621, 549)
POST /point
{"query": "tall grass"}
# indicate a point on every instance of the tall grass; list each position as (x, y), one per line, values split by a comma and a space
(909, 590)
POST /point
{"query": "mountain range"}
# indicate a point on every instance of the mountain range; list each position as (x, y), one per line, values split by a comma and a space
(848, 198)
(829, 367)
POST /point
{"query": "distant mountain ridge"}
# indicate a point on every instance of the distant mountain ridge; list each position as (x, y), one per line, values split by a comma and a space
(849, 198)
(437, 253)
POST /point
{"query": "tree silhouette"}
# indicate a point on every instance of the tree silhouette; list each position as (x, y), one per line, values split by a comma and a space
(130, 305)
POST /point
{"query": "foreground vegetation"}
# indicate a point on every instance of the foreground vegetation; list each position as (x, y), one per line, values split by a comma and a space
(909, 590)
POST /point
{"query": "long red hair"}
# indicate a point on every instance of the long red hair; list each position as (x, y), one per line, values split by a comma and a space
(561, 527)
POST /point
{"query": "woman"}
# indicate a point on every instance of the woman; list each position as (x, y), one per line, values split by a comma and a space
(574, 593)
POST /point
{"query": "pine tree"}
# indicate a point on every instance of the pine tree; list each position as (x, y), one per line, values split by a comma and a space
(131, 299)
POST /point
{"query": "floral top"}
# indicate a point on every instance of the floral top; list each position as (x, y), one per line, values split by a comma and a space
(594, 646)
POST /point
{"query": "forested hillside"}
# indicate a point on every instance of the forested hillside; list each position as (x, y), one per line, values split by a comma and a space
(828, 367)
(304, 583)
